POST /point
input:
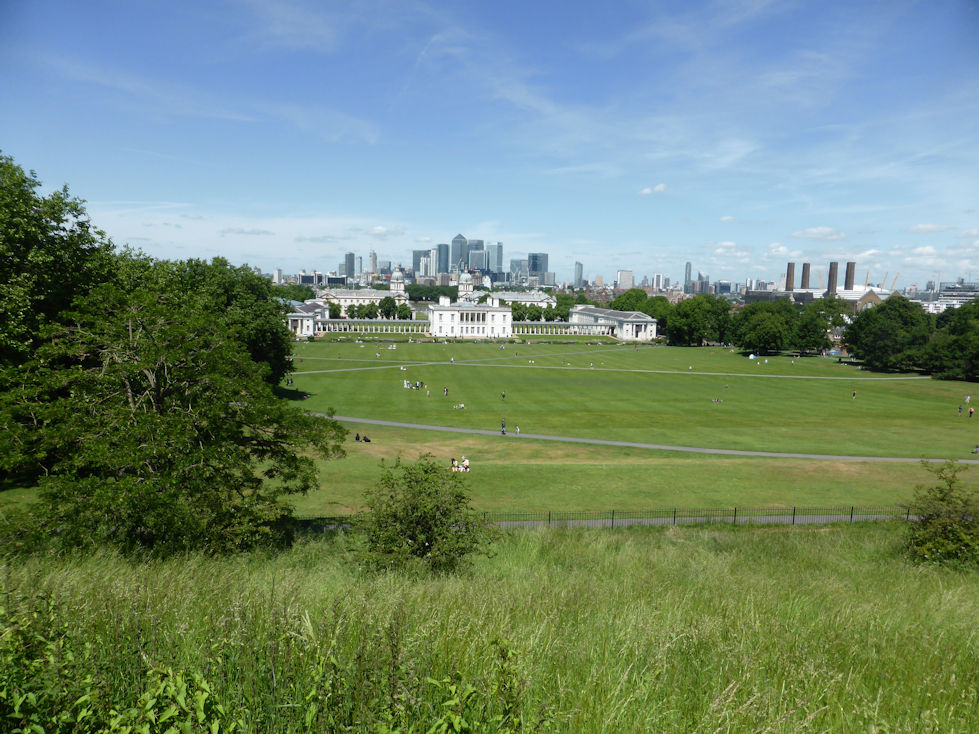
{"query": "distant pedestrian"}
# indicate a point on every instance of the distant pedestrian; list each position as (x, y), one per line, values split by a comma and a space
(968, 398)
(503, 395)
(503, 426)
(518, 430)
(445, 392)
(854, 395)
(960, 410)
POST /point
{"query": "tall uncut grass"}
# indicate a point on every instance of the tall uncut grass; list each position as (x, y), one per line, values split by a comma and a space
(692, 629)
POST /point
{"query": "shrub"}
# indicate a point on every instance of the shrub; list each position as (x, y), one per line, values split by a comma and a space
(945, 524)
(420, 515)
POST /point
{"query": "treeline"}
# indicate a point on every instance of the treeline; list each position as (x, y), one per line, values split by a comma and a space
(896, 335)
(138, 394)
(386, 308)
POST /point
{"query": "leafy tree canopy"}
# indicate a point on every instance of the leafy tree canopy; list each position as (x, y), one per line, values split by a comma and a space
(294, 292)
(891, 336)
(49, 253)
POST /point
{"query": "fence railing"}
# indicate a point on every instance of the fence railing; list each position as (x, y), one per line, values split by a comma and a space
(669, 516)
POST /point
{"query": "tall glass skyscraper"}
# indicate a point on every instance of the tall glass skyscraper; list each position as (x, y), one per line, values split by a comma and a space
(579, 273)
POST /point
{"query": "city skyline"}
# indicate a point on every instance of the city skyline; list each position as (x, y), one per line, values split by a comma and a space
(735, 134)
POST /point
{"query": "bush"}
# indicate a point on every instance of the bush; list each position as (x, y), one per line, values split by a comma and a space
(419, 515)
(945, 528)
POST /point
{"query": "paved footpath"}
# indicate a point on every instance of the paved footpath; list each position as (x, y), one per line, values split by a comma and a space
(636, 445)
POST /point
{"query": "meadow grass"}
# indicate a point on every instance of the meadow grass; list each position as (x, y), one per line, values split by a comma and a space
(680, 629)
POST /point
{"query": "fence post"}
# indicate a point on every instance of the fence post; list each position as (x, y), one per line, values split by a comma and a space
(548, 517)
(674, 516)
(613, 518)
(851, 513)
(735, 516)
(908, 517)
(793, 516)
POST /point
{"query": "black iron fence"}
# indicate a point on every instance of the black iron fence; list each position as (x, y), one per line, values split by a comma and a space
(670, 516)
(678, 516)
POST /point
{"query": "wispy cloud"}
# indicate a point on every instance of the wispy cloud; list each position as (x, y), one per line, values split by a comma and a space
(660, 188)
(827, 234)
(926, 228)
(253, 232)
(728, 218)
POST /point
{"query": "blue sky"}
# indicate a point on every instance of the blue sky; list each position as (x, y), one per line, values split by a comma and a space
(737, 134)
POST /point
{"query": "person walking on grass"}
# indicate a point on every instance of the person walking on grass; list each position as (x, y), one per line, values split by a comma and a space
(503, 426)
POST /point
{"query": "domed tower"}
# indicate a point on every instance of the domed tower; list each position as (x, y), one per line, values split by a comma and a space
(465, 286)
(397, 282)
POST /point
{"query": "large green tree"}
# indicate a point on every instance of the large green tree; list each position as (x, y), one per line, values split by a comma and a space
(952, 351)
(697, 320)
(165, 434)
(891, 336)
(49, 253)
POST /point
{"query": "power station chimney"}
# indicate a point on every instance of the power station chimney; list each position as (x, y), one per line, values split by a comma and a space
(804, 285)
(851, 269)
(789, 277)
(834, 269)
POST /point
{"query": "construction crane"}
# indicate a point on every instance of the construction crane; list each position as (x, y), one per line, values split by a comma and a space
(866, 281)
(883, 283)
(819, 275)
(895, 282)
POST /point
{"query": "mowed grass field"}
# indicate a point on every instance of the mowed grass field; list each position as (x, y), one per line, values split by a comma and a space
(654, 395)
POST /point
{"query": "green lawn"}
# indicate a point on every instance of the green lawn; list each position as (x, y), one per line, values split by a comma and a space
(647, 395)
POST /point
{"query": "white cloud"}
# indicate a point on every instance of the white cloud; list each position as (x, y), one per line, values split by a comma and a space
(819, 233)
(657, 189)
(926, 250)
(777, 248)
(925, 228)
(970, 233)
(728, 218)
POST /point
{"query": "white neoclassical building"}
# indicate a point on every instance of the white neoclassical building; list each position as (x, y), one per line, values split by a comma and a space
(624, 325)
(467, 320)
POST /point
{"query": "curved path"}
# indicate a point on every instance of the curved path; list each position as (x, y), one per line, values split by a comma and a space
(636, 445)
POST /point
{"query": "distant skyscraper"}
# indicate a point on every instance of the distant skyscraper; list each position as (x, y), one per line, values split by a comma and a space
(443, 258)
(537, 263)
(416, 259)
(518, 270)
(624, 279)
(372, 259)
(494, 257)
(459, 254)
(477, 259)
(657, 281)
(358, 266)
(579, 273)
(349, 264)
(688, 278)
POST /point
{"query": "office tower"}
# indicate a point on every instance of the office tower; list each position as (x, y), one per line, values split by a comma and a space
(658, 281)
(537, 263)
(349, 263)
(384, 267)
(372, 259)
(494, 257)
(624, 279)
(476, 245)
(442, 266)
(277, 276)
(518, 269)
(688, 278)
(599, 281)
(477, 259)
(579, 275)
(358, 266)
(459, 254)
(416, 259)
